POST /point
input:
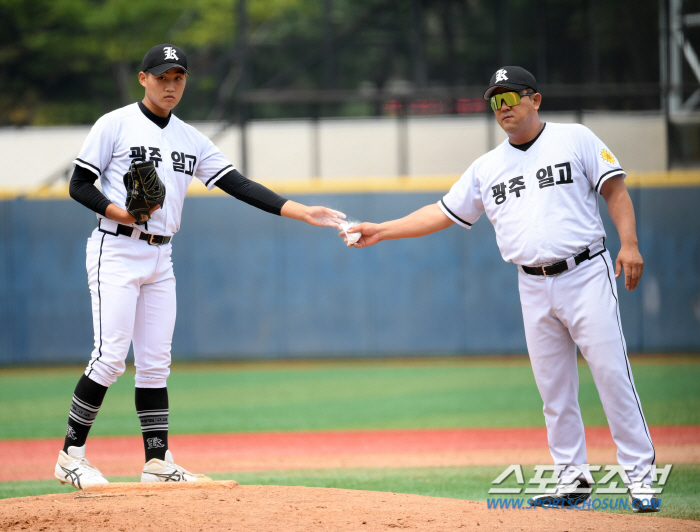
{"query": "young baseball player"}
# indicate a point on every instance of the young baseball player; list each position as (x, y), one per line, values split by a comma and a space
(539, 189)
(130, 273)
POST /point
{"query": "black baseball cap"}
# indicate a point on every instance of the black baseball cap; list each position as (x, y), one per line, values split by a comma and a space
(511, 77)
(162, 58)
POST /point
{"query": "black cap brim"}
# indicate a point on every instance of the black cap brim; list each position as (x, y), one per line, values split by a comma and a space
(512, 86)
(159, 69)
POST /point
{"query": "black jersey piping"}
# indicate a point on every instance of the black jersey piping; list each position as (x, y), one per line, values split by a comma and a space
(90, 165)
(216, 174)
(99, 306)
(606, 173)
(627, 360)
(453, 214)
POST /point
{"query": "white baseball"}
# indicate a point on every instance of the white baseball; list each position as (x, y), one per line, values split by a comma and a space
(352, 237)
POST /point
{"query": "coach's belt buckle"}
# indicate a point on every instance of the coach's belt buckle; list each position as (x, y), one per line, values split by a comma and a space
(544, 271)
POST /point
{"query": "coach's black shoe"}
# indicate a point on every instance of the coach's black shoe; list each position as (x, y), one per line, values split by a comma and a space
(563, 496)
(642, 498)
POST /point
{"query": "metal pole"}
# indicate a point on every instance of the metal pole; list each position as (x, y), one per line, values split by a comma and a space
(315, 146)
(420, 73)
(503, 21)
(403, 139)
(664, 47)
(242, 45)
(595, 47)
(675, 42)
(328, 51)
(663, 53)
(542, 43)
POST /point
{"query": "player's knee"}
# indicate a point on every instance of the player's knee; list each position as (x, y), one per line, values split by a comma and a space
(610, 375)
(152, 377)
(103, 374)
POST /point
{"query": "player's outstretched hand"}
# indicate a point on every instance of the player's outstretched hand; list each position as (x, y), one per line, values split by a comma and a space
(631, 260)
(369, 232)
(319, 216)
(323, 217)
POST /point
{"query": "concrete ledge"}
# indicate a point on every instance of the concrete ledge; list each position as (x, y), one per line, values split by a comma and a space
(368, 184)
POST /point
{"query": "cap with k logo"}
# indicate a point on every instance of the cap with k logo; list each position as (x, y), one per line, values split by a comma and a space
(162, 58)
(511, 77)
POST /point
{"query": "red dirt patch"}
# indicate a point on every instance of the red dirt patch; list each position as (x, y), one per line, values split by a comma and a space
(210, 453)
(296, 509)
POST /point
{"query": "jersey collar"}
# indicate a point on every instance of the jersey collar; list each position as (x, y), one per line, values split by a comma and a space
(160, 121)
(526, 146)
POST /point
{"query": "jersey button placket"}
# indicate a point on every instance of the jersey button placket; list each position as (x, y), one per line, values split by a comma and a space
(167, 173)
(537, 229)
(527, 174)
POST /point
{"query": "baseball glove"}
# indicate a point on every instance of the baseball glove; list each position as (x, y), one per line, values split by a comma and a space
(144, 190)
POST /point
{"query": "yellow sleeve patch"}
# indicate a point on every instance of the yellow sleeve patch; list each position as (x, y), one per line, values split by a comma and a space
(607, 156)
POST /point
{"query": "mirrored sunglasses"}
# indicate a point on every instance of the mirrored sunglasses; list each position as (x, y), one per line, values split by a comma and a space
(511, 99)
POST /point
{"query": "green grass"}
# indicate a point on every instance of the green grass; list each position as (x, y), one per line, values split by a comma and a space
(369, 394)
(679, 500)
(461, 392)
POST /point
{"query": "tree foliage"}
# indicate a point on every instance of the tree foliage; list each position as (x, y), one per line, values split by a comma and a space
(69, 61)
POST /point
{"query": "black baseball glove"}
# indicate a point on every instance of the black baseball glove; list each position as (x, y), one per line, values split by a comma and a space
(144, 190)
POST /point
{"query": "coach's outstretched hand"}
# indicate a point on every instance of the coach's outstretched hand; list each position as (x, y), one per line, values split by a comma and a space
(369, 232)
(318, 216)
(424, 221)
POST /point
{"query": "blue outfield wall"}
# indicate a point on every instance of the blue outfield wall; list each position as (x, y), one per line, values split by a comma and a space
(252, 285)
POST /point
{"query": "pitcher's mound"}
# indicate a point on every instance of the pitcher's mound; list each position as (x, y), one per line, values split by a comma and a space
(123, 488)
(228, 506)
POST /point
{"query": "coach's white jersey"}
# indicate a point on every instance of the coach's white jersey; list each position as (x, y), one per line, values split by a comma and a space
(542, 202)
(179, 151)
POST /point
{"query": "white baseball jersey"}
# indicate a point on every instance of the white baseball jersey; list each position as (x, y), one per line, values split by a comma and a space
(179, 151)
(542, 202)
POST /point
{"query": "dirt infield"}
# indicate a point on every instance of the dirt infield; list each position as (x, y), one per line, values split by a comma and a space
(227, 506)
(212, 453)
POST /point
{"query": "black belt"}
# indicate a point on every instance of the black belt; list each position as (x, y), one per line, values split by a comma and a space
(153, 240)
(558, 267)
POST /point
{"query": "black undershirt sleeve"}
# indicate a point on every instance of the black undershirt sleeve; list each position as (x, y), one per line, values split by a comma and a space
(250, 192)
(83, 190)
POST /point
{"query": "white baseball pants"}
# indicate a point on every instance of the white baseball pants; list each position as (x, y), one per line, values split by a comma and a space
(133, 300)
(580, 307)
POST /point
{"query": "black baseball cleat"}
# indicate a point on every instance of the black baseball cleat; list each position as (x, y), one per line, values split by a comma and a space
(642, 498)
(563, 496)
